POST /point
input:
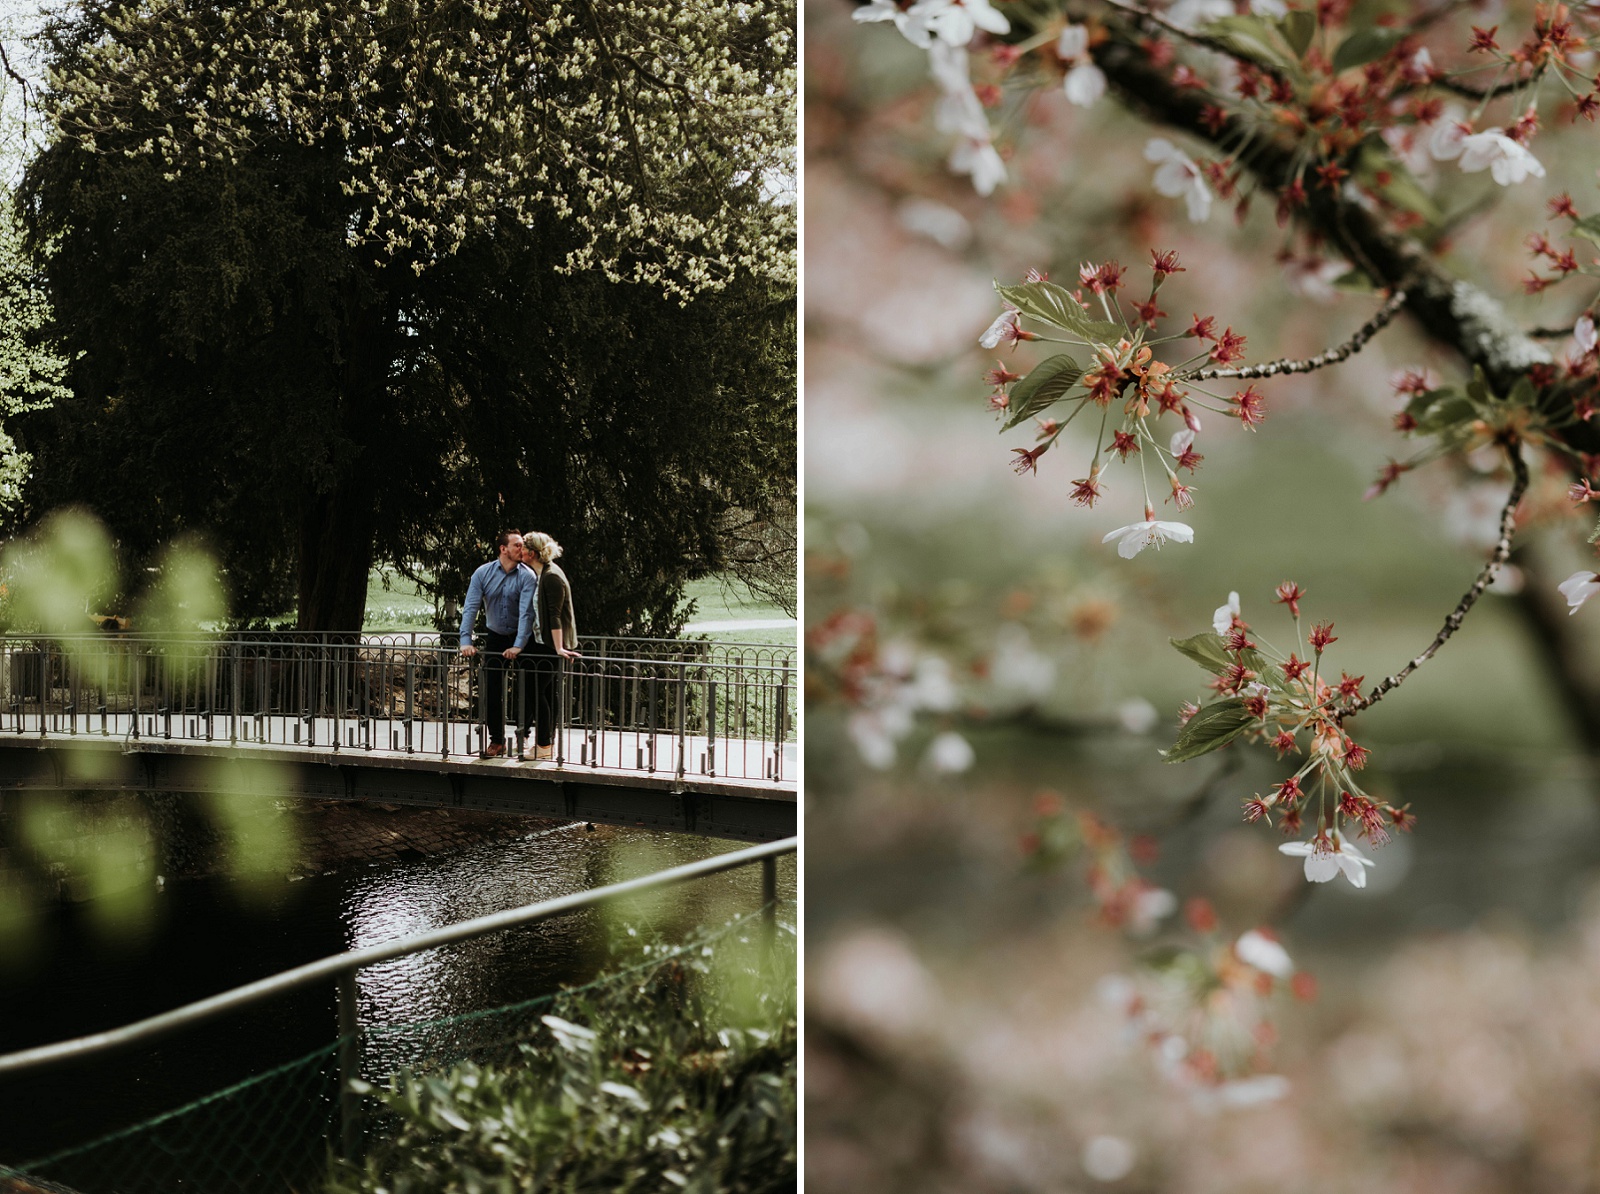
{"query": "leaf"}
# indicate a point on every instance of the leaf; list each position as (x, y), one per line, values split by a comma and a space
(1595, 537)
(1212, 728)
(626, 1093)
(1044, 387)
(1588, 228)
(1055, 305)
(1298, 28)
(1441, 410)
(1354, 280)
(1365, 45)
(1253, 38)
(1207, 650)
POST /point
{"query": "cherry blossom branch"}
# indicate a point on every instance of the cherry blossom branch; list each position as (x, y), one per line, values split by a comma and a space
(1450, 310)
(1468, 91)
(1157, 21)
(1322, 360)
(1502, 549)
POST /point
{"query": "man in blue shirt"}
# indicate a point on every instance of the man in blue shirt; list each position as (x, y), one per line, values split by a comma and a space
(505, 588)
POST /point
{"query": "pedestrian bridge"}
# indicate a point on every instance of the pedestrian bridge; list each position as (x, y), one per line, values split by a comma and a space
(692, 736)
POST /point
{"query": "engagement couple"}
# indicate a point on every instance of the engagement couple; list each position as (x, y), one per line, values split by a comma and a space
(527, 605)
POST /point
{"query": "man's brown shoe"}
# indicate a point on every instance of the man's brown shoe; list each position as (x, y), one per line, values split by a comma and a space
(496, 749)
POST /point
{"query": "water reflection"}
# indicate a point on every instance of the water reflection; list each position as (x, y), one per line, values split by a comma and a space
(203, 939)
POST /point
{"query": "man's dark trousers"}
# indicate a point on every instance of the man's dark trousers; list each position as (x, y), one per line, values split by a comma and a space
(495, 667)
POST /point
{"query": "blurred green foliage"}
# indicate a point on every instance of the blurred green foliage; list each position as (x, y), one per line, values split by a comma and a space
(685, 1080)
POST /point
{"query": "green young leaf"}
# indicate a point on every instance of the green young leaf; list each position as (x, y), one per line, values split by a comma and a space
(1053, 304)
(1364, 46)
(1043, 388)
(1298, 28)
(1441, 410)
(1595, 537)
(1588, 228)
(1255, 39)
(1210, 729)
(1207, 650)
(1523, 394)
(1378, 170)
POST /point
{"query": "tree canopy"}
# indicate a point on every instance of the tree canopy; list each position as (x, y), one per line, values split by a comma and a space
(350, 284)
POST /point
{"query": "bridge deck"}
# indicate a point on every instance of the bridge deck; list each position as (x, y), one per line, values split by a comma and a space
(626, 777)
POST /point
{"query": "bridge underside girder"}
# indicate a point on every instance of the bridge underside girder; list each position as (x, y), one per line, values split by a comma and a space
(708, 809)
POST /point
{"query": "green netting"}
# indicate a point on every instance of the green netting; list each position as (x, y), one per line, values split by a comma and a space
(280, 1130)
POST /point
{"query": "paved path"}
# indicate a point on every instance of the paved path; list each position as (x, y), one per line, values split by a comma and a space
(743, 624)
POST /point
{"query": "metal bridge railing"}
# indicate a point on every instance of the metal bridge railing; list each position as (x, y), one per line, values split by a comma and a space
(726, 712)
(343, 968)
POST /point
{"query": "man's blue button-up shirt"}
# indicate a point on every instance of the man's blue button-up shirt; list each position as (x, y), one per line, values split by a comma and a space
(507, 601)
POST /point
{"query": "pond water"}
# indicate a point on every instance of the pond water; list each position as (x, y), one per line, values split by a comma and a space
(206, 937)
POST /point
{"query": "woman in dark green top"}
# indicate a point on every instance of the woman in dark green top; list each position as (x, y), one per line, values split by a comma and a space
(557, 639)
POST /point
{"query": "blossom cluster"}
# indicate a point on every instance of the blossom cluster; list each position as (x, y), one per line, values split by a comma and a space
(1203, 1002)
(1121, 378)
(1292, 704)
(1368, 110)
(662, 135)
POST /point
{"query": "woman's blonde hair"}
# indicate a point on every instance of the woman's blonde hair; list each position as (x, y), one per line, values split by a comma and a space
(546, 548)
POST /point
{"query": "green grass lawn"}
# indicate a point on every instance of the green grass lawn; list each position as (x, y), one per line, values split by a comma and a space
(401, 607)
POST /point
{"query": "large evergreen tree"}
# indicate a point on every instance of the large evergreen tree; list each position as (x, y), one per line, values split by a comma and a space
(345, 284)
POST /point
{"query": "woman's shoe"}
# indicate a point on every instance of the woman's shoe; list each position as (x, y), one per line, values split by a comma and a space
(544, 754)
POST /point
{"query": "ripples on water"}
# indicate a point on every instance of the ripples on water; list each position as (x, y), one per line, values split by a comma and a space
(205, 939)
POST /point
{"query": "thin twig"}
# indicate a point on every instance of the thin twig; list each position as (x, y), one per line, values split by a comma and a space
(1332, 357)
(1502, 549)
(1547, 333)
(1198, 39)
(1468, 91)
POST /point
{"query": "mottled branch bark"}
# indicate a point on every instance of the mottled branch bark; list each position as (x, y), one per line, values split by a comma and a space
(1322, 360)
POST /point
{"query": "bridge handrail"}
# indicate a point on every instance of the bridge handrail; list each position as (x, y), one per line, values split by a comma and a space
(344, 966)
(586, 663)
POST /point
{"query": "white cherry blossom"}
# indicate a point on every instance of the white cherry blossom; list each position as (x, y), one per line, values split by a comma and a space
(959, 110)
(914, 28)
(1256, 949)
(1583, 331)
(1449, 136)
(1223, 618)
(1338, 857)
(1133, 539)
(1189, 15)
(1507, 161)
(1000, 329)
(1578, 588)
(1182, 441)
(1177, 176)
(949, 754)
(955, 21)
(1084, 84)
(1073, 42)
(1313, 277)
(982, 161)
(1150, 907)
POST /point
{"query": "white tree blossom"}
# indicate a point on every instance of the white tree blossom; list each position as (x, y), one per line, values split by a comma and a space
(1133, 539)
(1178, 177)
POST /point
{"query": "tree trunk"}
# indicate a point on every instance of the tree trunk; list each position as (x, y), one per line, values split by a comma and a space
(1545, 614)
(336, 543)
(339, 526)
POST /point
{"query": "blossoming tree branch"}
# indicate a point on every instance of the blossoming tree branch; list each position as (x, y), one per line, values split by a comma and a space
(1333, 116)
(1327, 118)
